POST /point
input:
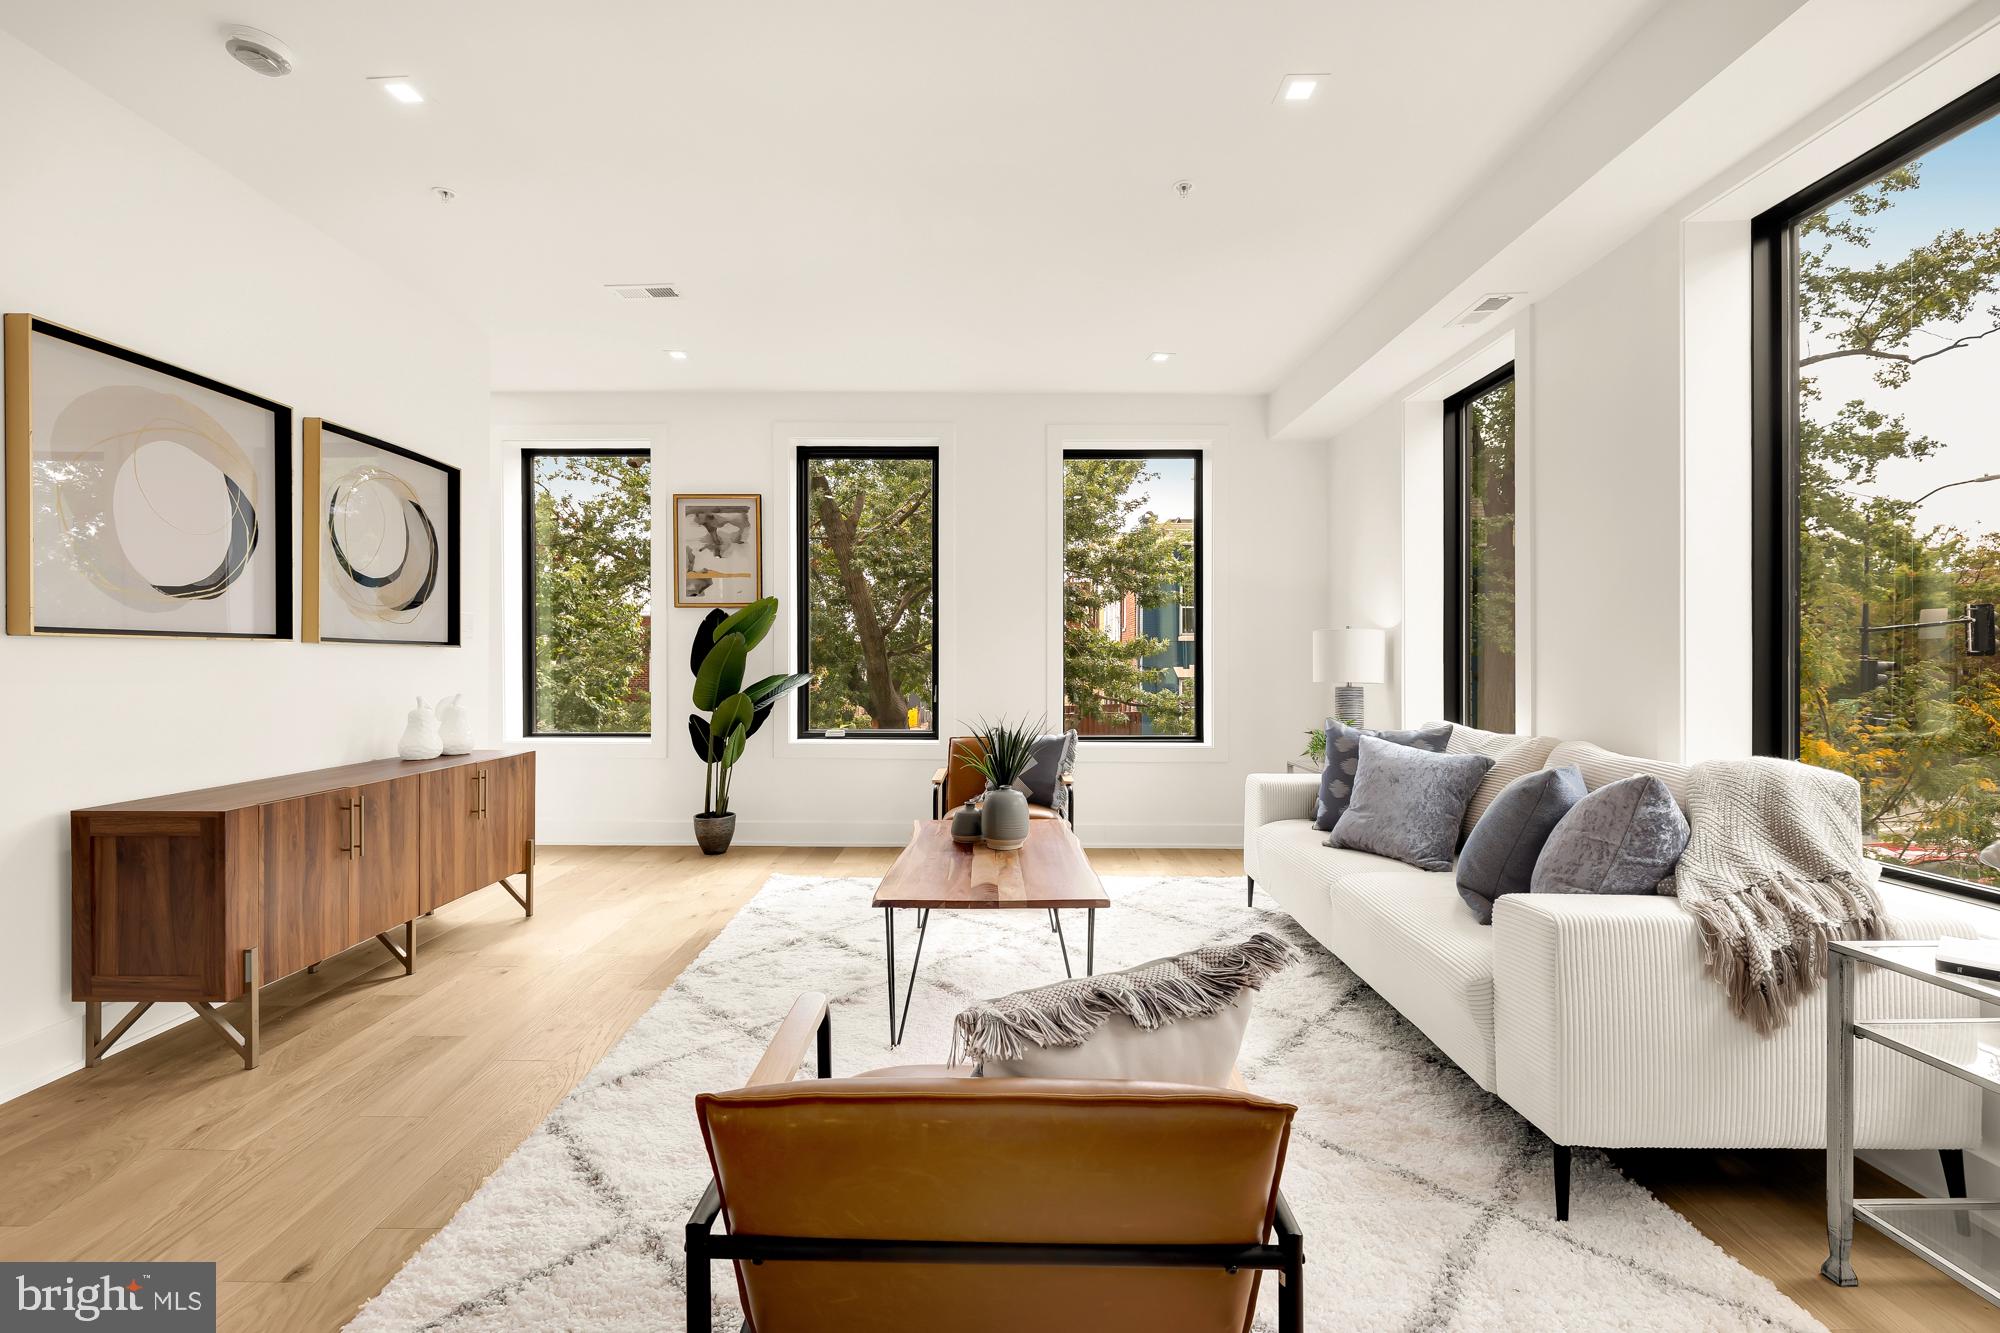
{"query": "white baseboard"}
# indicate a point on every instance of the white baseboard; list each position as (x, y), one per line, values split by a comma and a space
(47, 1054)
(873, 833)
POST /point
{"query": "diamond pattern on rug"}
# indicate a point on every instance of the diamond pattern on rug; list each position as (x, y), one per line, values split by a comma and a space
(1426, 1202)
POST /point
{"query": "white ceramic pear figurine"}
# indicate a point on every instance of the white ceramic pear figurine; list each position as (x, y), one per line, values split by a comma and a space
(455, 725)
(420, 734)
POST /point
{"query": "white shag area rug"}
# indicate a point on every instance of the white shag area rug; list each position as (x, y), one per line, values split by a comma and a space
(1426, 1202)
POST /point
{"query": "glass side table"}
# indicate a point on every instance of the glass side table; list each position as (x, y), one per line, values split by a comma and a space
(1959, 1236)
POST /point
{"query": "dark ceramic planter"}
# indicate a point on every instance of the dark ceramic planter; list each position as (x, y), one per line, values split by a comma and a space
(713, 832)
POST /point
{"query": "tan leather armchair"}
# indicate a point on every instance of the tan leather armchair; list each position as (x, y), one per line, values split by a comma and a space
(958, 782)
(919, 1200)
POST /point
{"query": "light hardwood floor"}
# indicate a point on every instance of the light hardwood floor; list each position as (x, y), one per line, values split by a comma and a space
(382, 1101)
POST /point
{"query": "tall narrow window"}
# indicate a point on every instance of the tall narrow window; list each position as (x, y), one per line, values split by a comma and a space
(1132, 593)
(588, 584)
(1479, 553)
(868, 568)
(1878, 490)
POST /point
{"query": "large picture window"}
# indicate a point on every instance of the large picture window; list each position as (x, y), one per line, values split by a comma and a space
(1132, 594)
(588, 591)
(1878, 490)
(1479, 469)
(868, 570)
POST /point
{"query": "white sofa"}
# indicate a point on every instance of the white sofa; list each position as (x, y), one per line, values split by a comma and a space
(1590, 1015)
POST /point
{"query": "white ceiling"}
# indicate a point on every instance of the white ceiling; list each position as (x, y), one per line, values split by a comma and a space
(909, 194)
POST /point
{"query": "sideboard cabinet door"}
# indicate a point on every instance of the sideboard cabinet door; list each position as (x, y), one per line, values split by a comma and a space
(450, 850)
(509, 817)
(388, 867)
(308, 856)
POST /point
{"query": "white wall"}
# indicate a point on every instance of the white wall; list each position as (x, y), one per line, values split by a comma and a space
(1264, 547)
(1607, 479)
(118, 230)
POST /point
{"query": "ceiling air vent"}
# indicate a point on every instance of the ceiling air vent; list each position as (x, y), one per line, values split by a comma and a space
(1485, 308)
(645, 291)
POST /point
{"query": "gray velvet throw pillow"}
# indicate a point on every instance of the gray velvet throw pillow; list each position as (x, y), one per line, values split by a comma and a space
(1500, 855)
(1343, 755)
(1622, 838)
(1054, 756)
(1408, 803)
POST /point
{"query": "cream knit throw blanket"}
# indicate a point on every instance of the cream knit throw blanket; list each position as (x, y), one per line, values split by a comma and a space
(1773, 870)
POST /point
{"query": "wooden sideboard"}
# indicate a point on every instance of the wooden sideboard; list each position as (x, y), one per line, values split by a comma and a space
(205, 897)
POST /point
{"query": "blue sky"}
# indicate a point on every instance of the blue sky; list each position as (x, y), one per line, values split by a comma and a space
(1950, 398)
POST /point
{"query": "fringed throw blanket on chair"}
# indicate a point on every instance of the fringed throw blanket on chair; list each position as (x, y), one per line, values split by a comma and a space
(1773, 870)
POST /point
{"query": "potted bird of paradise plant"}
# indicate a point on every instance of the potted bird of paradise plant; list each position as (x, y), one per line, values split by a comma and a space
(734, 712)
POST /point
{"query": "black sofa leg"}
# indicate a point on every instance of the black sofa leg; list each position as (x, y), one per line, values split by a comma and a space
(1954, 1171)
(1253, 890)
(1562, 1182)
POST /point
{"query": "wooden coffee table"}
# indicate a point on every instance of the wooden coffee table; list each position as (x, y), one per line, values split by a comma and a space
(1048, 874)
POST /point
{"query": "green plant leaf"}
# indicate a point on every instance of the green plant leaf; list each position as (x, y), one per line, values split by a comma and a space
(704, 640)
(732, 715)
(698, 733)
(732, 749)
(753, 622)
(722, 674)
(772, 688)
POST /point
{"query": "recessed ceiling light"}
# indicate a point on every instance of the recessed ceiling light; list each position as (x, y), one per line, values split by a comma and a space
(399, 87)
(1299, 87)
(677, 354)
(1158, 357)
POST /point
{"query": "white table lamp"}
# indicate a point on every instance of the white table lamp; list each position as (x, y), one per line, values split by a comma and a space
(1355, 656)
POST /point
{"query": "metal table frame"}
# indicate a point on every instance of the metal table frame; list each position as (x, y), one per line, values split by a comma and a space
(898, 1027)
(1842, 1031)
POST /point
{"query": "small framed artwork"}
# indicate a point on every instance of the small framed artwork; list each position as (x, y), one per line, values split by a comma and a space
(142, 499)
(381, 540)
(718, 550)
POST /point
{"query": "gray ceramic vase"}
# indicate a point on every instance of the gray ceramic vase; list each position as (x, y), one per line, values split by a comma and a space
(965, 823)
(1004, 818)
(713, 832)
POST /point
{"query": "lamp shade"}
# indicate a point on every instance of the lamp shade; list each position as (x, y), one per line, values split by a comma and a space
(1356, 655)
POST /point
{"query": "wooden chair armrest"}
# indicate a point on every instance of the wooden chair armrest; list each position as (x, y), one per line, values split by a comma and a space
(795, 1036)
(1067, 779)
(937, 778)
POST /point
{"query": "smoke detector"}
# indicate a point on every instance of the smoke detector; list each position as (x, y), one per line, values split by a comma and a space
(259, 51)
(1485, 308)
(645, 291)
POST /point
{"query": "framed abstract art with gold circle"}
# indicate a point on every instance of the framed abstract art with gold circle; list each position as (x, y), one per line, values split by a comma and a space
(142, 499)
(381, 540)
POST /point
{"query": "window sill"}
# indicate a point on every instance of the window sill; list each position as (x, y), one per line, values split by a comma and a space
(610, 747)
(1089, 750)
(853, 747)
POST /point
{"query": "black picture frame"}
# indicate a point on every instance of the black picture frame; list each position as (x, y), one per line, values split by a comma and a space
(1774, 453)
(314, 575)
(20, 330)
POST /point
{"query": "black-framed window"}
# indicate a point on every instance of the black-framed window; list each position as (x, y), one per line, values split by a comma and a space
(868, 575)
(1876, 490)
(1132, 619)
(587, 592)
(1479, 563)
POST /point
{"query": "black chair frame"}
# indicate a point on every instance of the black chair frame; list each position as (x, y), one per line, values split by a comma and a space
(704, 1247)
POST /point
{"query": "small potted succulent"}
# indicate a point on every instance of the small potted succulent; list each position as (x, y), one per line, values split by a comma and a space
(735, 711)
(1002, 754)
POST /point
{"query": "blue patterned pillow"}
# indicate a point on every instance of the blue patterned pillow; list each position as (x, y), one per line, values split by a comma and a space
(1343, 755)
